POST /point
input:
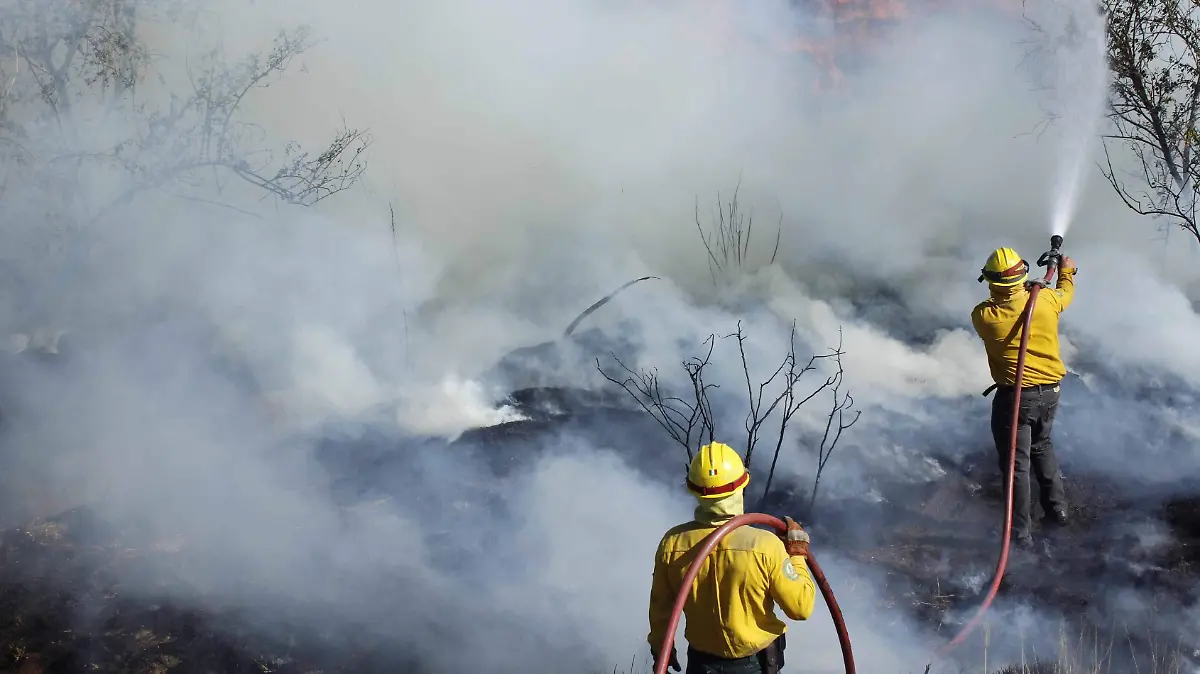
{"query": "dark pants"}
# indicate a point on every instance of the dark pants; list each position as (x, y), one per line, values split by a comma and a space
(767, 661)
(1036, 418)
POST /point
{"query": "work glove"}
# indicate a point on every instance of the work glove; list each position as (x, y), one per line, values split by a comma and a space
(795, 540)
(1067, 265)
(1040, 282)
(674, 662)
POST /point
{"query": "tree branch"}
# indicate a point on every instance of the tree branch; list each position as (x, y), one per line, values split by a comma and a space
(1153, 49)
(677, 417)
(88, 55)
(841, 404)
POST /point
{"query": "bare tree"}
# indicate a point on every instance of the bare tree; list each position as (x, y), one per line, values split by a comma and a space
(1153, 50)
(780, 395)
(74, 71)
(727, 241)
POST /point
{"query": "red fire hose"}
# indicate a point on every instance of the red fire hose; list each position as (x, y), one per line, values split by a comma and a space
(706, 547)
(1006, 535)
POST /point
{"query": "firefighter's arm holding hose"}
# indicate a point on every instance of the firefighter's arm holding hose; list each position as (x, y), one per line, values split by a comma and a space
(1064, 290)
(792, 585)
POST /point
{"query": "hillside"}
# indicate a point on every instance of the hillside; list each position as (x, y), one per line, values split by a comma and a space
(66, 607)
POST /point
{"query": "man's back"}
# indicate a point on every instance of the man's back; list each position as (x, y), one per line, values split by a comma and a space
(997, 321)
(731, 608)
(1021, 430)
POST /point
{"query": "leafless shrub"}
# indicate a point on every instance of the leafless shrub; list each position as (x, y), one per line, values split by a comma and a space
(689, 419)
(727, 241)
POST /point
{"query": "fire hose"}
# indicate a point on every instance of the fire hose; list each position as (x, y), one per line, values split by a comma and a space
(1049, 259)
(707, 546)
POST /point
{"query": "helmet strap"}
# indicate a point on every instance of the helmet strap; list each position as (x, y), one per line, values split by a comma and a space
(1018, 269)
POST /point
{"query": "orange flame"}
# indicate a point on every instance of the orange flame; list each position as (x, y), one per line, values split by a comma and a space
(859, 23)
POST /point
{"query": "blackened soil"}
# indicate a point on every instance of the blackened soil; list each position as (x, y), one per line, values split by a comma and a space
(63, 607)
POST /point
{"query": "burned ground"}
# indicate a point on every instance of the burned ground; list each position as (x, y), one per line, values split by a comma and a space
(64, 607)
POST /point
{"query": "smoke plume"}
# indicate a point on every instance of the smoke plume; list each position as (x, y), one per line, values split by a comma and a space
(529, 156)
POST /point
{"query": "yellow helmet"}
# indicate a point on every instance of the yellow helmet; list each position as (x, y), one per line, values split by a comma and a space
(1004, 267)
(716, 471)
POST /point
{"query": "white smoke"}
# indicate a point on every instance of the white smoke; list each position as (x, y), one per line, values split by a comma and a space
(537, 154)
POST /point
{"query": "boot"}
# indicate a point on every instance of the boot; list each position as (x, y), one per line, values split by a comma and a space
(1023, 552)
(1056, 518)
(1022, 540)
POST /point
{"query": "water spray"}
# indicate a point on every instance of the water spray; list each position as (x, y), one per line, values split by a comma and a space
(1080, 88)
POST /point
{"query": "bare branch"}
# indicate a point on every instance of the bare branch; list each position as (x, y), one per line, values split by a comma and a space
(306, 180)
(727, 241)
(837, 416)
(712, 258)
(792, 402)
(778, 238)
(88, 55)
(678, 417)
(703, 406)
(755, 417)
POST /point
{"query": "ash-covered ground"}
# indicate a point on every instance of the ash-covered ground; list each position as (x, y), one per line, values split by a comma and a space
(66, 607)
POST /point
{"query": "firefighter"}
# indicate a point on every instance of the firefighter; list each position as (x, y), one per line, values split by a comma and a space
(998, 321)
(731, 626)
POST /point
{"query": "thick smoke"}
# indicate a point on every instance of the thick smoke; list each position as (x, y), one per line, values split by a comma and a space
(537, 154)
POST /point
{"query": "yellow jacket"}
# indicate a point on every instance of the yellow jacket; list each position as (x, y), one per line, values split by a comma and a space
(997, 321)
(730, 612)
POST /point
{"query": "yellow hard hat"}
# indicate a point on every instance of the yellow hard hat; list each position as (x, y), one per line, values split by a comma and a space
(716, 471)
(1004, 267)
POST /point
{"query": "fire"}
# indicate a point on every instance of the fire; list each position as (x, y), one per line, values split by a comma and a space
(858, 23)
(860, 10)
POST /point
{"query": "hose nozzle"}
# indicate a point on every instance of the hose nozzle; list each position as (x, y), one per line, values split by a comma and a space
(1052, 256)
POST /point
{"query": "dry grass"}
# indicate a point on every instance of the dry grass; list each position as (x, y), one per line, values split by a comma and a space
(1089, 651)
(1076, 652)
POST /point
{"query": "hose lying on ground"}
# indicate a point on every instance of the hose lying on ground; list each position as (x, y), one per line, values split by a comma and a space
(707, 546)
(1006, 535)
(601, 302)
